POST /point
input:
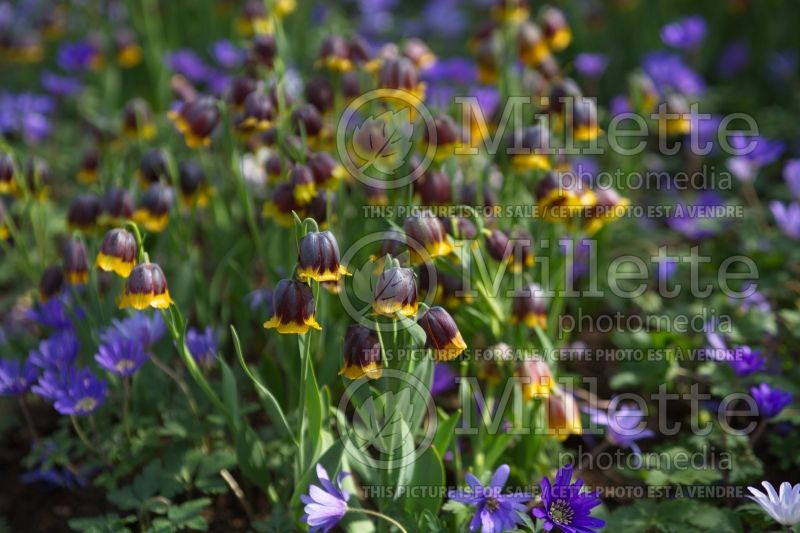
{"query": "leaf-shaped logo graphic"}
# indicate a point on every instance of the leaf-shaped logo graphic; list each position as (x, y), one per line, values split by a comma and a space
(378, 423)
(364, 279)
(383, 142)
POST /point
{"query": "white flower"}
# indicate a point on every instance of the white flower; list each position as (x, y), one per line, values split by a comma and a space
(783, 507)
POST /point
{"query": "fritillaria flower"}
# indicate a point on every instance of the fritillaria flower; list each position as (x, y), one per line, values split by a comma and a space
(566, 506)
(146, 287)
(443, 336)
(117, 252)
(292, 308)
(495, 511)
(395, 292)
(318, 257)
(76, 262)
(783, 506)
(529, 307)
(362, 353)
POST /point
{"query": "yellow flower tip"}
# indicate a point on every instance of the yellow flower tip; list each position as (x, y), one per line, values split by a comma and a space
(304, 193)
(291, 327)
(129, 56)
(451, 350)
(86, 177)
(145, 300)
(371, 370)
(114, 264)
(156, 224)
(561, 39)
(77, 278)
(525, 162)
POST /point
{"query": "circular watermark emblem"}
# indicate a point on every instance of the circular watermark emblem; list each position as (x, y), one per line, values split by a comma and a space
(375, 138)
(366, 271)
(380, 434)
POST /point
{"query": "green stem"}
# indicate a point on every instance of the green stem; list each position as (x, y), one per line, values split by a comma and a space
(392, 521)
(81, 435)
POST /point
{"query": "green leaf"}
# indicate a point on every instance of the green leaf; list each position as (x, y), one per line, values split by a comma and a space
(187, 515)
(250, 455)
(445, 431)
(274, 408)
(230, 395)
(107, 523)
(312, 415)
(424, 493)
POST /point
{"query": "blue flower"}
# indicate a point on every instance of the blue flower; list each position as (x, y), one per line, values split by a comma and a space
(669, 72)
(58, 85)
(121, 356)
(752, 153)
(624, 426)
(565, 506)
(770, 401)
(81, 395)
(202, 345)
(142, 327)
(494, 511)
(746, 361)
(686, 33)
(444, 378)
(57, 351)
(52, 313)
(733, 59)
(16, 378)
(324, 507)
(791, 175)
(591, 65)
(787, 216)
(187, 63)
(697, 221)
(53, 382)
(78, 56)
(227, 54)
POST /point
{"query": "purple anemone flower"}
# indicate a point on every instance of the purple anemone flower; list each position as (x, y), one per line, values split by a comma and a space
(787, 217)
(444, 378)
(746, 361)
(697, 221)
(52, 313)
(455, 70)
(142, 327)
(782, 66)
(202, 344)
(82, 395)
(591, 66)
(325, 507)
(187, 63)
(686, 33)
(57, 351)
(624, 426)
(565, 506)
(16, 378)
(670, 72)
(494, 511)
(226, 54)
(121, 356)
(752, 153)
(78, 56)
(733, 59)
(752, 299)
(791, 175)
(770, 400)
(59, 85)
